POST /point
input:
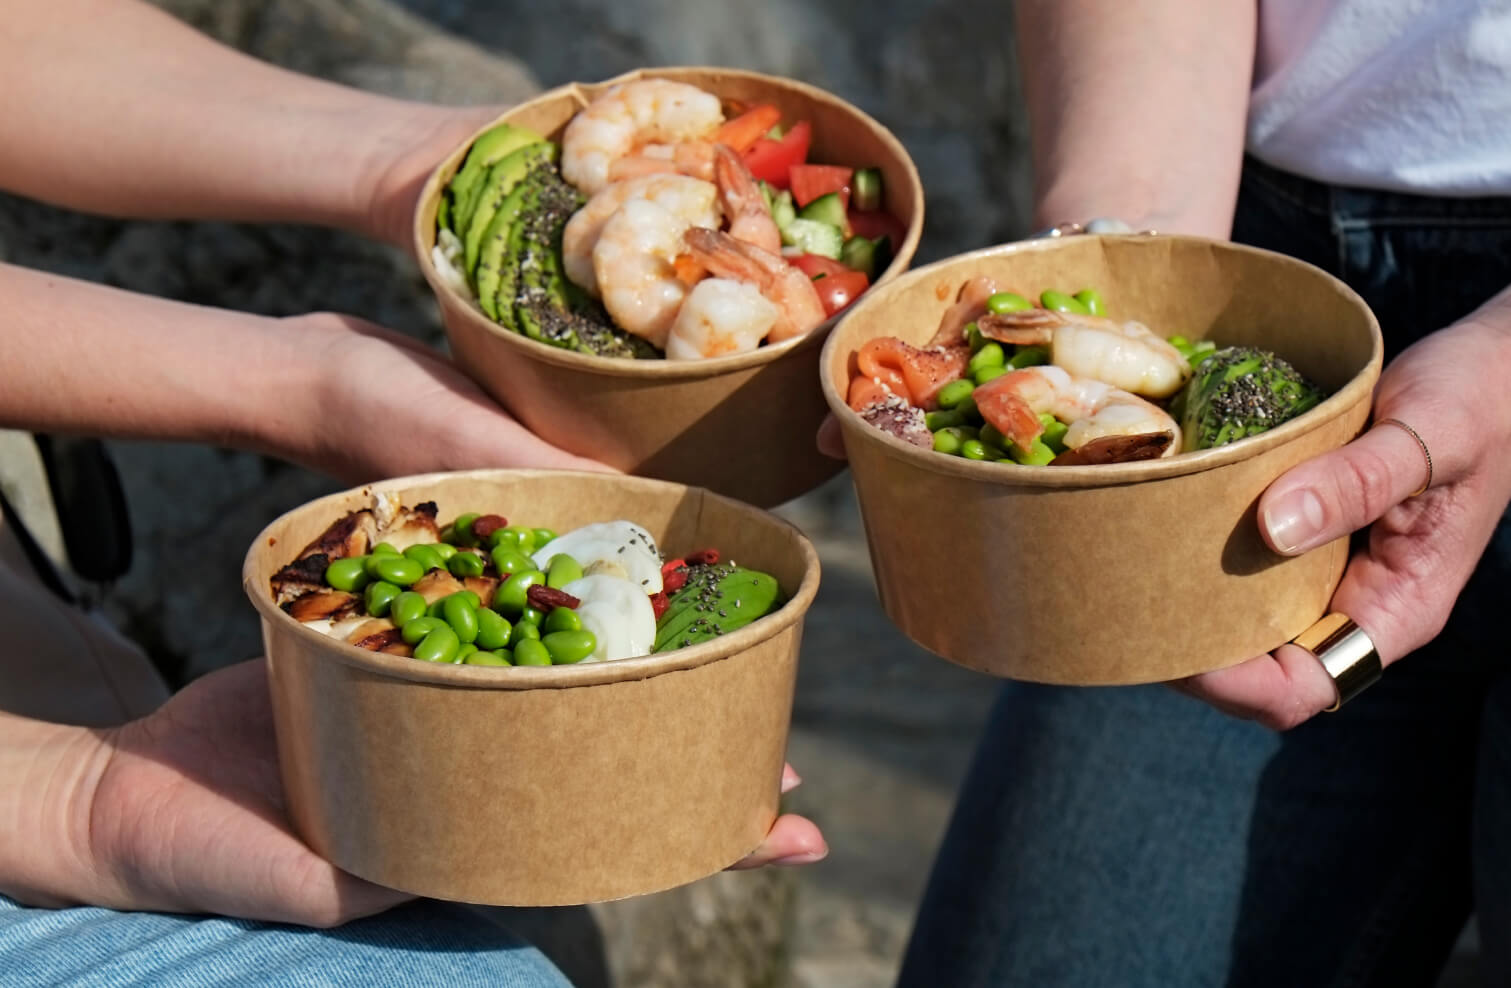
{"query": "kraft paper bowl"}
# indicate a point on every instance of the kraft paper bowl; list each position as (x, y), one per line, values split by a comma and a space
(741, 425)
(1120, 573)
(539, 786)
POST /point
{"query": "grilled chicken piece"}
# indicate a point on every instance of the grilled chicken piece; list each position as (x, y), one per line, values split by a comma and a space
(323, 605)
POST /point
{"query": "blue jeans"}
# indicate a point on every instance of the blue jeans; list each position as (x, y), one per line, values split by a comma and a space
(422, 943)
(1133, 837)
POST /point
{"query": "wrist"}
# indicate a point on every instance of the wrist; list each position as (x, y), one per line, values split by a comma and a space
(51, 773)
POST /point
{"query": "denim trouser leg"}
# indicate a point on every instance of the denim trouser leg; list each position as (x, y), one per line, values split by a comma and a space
(1133, 837)
(423, 943)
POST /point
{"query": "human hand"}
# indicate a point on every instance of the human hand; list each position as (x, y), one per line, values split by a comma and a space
(1420, 551)
(793, 840)
(830, 441)
(399, 165)
(384, 405)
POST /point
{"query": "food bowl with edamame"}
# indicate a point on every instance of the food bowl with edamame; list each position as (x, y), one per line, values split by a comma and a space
(524, 687)
(1065, 492)
(740, 422)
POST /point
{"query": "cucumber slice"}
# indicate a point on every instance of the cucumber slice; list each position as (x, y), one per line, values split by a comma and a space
(813, 237)
(828, 208)
(865, 189)
(783, 212)
(868, 255)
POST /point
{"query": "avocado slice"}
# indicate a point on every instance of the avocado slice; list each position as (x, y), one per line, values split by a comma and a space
(495, 261)
(496, 186)
(717, 599)
(490, 147)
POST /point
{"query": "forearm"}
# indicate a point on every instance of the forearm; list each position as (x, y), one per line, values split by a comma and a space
(115, 107)
(47, 778)
(1137, 110)
(84, 358)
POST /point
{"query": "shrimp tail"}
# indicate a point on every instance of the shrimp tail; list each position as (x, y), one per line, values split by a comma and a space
(1027, 326)
(1116, 449)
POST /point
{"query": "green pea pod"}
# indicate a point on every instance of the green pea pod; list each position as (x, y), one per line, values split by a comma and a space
(510, 598)
(1060, 302)
(569, 647)
(405, 608)
(439, 646)
(562, 570)
(461, 614)
(562, 619)
(465, 564)
(1092, 300)
(1003, 302)
(531, 652)
(492, 630)
(414, 631)
(349, 574)
(380, 597)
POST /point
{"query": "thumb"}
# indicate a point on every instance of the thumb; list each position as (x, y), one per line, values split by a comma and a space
(1342, 491)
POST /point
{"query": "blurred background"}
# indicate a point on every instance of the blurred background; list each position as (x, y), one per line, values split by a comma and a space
(881, 731)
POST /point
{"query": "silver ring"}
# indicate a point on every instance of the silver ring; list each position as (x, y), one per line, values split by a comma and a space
(1346, 652)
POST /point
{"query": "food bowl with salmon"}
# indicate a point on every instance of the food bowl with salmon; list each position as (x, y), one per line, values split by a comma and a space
(531, 688)
(644, 270)
(1058, 447)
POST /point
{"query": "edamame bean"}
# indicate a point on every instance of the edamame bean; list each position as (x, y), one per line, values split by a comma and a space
(990, 355)
(385, 549)
(1008, 302)
(562, 619)
(992, 437)
(370, 563)
(465, 564)
(414, 631)
(947, 442)
(485, 657)
(1029, 356)
(461, 529)
(445, 550)
(399, 570)
(463, 652)
(1092, 299)
(955, 392)
(973, 336)
(968, 409)
(562, 570)
(1036, 455)
(524, 538)
(349, 574)
(439, 646)
(934, 421)
(531, 615)
(492, 630)
(510, 598)
(405, 608)
(508, 560)
(1178, 341)
(989, 374)
(380, 597)
(542, 536)
(426, 556)
(531, 653)
(569, 647)
(1060, 302)
(1054, 436)
(461, 614)
(525, 630)
(974, 449)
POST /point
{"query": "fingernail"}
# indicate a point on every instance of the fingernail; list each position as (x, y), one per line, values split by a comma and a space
(806, 858)
(1294, 520)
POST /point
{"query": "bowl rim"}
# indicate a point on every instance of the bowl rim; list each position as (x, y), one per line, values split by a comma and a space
(638, 668)
(1359, 387)
(423, 224)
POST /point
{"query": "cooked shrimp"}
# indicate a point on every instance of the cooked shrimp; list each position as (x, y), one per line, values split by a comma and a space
(744, 206)
(1127, 355)
(970, 304)
(632, 263)
(781, 283)
(694, 158)
(693, 200)
(1094, 410)
(650, 116)
(718, 318)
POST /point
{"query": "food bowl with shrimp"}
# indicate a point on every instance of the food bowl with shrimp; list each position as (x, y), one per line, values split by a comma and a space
(586, 696)
(644, 270)
(1058, 447)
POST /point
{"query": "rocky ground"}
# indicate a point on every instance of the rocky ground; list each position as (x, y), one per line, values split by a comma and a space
(881, 730)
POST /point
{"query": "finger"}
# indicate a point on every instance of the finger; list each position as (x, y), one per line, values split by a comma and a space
(831, 442)
(1279, 690)
(793, 840)
(1342, 491)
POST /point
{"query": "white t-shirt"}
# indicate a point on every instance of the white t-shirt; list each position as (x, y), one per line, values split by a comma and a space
(1409, 95)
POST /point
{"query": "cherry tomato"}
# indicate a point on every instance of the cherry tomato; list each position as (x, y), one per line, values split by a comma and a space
(837, 290)
(877, 223)
(814, 265)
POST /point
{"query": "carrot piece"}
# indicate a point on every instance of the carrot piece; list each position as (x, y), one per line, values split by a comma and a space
(743, 131)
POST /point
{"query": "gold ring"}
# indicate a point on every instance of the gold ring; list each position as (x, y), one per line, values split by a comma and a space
(1413, 434)
(1346, 652)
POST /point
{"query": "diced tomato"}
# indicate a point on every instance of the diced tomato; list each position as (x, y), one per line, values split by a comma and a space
(747, 128)
(814, 265)
(877, 223)
(838, 289)
(771, 161)
(811, 181)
